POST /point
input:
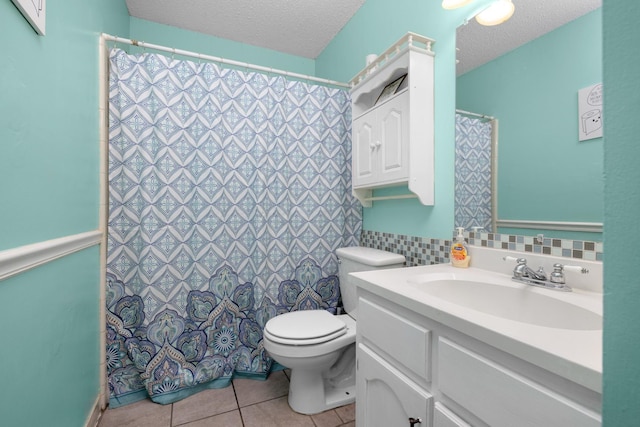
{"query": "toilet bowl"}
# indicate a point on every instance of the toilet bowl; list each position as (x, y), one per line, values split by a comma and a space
(319, 347)
(313, 388)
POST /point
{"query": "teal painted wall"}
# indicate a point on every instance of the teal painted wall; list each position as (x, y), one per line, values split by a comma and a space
(49, 188)
(197, 42)
(50, 343)
(49, 120)
(54, 199)
(533, 91)
(372, 31)
(621, 34)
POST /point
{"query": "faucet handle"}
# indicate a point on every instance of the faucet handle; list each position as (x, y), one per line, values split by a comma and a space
(520, 269)
(558, 275)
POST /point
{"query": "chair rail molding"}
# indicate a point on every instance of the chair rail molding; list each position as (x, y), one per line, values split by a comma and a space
(590, 227)
(17, 260)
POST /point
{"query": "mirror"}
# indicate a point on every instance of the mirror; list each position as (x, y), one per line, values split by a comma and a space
(527, 73)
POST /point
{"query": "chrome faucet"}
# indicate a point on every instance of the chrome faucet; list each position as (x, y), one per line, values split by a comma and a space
(522, 273)
(522, 270)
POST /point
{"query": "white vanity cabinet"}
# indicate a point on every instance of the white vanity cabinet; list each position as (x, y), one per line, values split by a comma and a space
(393, 368)
(411, 366)
(444, 417)
(393, 133)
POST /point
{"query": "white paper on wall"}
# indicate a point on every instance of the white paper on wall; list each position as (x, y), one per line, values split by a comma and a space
(590, 114)
(34, 12)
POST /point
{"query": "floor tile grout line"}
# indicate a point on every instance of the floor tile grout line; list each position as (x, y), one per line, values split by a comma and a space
(237, 408)
(235, 394)
(205, 418)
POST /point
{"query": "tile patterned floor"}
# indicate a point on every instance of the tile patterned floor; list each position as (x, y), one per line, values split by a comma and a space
(247, 403)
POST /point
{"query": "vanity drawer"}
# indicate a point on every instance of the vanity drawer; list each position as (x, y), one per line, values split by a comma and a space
(501, 397)
(408, 342)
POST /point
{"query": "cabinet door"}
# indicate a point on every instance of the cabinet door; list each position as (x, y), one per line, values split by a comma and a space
(443, 417)
(385, 397)
(393, 139)
(364, 150)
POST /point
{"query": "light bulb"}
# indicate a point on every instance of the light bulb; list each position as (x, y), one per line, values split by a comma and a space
(498, 12)
(454, 4)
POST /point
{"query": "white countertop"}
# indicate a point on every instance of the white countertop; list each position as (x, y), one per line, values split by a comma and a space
(570, 353)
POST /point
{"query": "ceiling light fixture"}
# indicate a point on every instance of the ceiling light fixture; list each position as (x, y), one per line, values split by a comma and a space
(498, 12)
(454, 4)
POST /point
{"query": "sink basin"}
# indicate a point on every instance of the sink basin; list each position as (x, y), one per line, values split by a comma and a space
(521, 304)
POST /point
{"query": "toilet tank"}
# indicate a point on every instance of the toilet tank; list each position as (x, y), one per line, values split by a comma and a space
(358, 258)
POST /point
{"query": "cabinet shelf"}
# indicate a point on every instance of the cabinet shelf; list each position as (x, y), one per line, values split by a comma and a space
(393, 138)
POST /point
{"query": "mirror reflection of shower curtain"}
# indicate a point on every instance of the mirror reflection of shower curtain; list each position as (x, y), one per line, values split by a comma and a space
(475, 173)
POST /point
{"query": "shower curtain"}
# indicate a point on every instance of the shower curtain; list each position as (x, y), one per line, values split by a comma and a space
(229, 192)
(473, 206)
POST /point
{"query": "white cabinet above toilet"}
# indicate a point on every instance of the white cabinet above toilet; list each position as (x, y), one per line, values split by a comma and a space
(393, 121)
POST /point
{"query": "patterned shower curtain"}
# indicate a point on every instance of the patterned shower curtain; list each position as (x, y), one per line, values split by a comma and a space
(473, 176)
(229, 192)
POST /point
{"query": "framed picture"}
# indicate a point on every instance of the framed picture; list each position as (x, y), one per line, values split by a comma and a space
(390, 89)
(34, 11)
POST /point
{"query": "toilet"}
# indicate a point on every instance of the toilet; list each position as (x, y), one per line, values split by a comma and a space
(319, 347)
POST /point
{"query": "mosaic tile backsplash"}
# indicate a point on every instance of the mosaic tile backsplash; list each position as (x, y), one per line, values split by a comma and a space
(425, 251)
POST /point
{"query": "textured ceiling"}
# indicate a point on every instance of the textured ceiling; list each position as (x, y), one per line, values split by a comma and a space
(532, 18)
(298, 27)
(305, 27)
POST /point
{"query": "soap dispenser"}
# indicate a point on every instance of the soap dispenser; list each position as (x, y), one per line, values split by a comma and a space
(459, 253)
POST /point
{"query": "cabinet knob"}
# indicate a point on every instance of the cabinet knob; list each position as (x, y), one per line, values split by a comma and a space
(414, 421)
(378, 144)
(372, 145)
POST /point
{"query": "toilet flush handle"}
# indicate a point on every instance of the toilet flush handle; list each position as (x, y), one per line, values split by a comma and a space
(414, 421)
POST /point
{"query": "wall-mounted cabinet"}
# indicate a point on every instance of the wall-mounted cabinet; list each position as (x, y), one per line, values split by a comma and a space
(393, 121)
(380, 146)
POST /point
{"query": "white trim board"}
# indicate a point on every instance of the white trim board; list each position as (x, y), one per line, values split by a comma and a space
(589, 227)
(95, 415)
(17, 260)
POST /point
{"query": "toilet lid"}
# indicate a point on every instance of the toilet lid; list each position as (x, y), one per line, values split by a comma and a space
(305, 327)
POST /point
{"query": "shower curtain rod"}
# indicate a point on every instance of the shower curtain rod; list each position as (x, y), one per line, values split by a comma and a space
(469, 113)
(172, 50)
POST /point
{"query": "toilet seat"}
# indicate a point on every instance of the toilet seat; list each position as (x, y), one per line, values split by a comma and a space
(305, 327)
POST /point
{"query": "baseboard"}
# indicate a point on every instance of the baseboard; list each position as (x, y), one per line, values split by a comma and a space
(95, 414)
